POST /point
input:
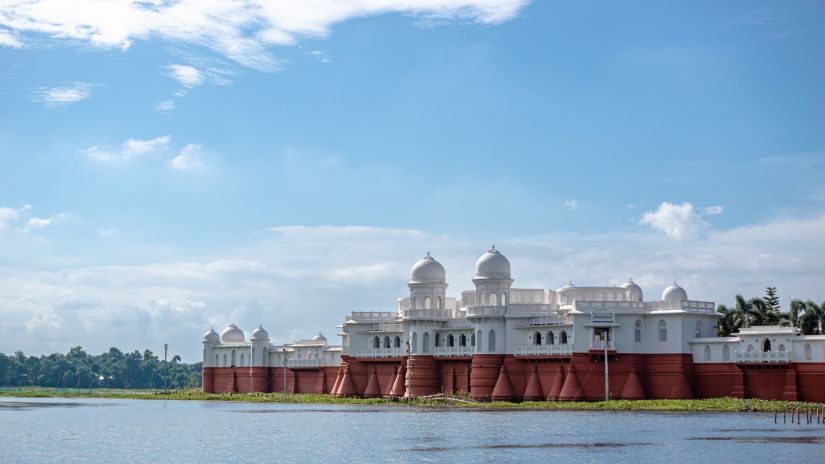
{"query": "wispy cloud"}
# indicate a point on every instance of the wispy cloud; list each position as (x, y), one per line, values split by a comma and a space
(9, 39)
(108, 232)
(9, 216)
(17, 219)
(187, 76)
(166, 106)
(241, 31)
(678, 222)
(63, 95)
(189, 159)
(321, 56)
(713, 210)
(571, 204)
(131, 148)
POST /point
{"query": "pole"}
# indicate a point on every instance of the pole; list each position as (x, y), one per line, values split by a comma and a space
(606, 379)
(285, 354)
(165, 365)
(409, 371)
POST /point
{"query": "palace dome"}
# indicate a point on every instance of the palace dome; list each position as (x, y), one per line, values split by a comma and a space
(427, 271)
(260, 333)
(633, 291)
(492, 265)
(211, 336)
(674, 294)
(319, 337)
(232, 334)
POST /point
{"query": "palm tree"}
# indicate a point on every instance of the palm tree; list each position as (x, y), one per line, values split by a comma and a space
(813, 318)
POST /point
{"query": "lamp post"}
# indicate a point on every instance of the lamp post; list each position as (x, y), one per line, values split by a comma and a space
(409, 371)
(285, 355)
(606, 379)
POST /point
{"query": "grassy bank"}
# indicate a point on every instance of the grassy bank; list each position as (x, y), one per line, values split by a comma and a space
(709, 405)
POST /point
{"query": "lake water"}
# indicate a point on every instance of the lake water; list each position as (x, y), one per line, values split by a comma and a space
(141, 431)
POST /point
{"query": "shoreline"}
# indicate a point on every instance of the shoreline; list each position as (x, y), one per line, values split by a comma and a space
(693, 405)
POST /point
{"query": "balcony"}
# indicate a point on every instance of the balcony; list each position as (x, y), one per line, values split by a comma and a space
(378, 353)
(544, 350)
(601, 345)
(445, 351)
(302, 363)
(763, 357)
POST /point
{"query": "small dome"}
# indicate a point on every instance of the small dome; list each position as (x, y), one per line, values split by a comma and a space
(674, 294)
(633, 291)
(260, 334)
(319, 337)
(566, 287)
(232, 334)
(211, 336)
(492, 265)
(427, 271)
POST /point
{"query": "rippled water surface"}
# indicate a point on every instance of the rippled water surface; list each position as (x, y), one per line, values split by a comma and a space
(140, 431)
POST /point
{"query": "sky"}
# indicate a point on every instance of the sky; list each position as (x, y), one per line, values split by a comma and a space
(167, 166)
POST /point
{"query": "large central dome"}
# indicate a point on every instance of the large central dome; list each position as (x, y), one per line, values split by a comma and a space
(427, 271)
(492, 265)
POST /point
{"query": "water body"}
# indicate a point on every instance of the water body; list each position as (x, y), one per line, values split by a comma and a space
(140, 431)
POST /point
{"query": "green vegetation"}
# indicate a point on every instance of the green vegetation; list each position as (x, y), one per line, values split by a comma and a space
(702, 405)
(808, 316)
(113, 369)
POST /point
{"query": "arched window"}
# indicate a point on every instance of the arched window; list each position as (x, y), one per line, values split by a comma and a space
(699, 329)
(241, 359)
(427, 302)
(637, 331)
(662, 330)
(264, 361)
(707, 353)
(537, 338)
(478, 341)
(376, 343)
(437, 339)
(750, 348)
(253, 356)
(473, 339)
(491, 341)
(503, 299)
(462, 340)
(551, 338)
(450, 340)
(808, 353)
(439, 303)
(563, 338)
(397, 342)
(217, 360)
(412, 303)
(386, 342)
(726, 353)
(426, 342)
(224, 360)
(414, 342)
(233, 358)
(491, 299)
(766, 345)
(781, 348)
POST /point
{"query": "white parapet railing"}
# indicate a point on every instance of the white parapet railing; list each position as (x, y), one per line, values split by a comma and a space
(602, 345)
(544, 350)
(376, 316)
(454, 350)
(476, 311)
(299, 363)
(763, 356)
(378, 353)
(555, 319)
(387, 327)
(428, 314)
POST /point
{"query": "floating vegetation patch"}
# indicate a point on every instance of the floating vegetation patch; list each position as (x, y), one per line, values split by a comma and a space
(497, 446)
(810, 440)
(22, 405)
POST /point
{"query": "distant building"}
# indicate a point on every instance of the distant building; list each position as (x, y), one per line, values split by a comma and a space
(500, 342)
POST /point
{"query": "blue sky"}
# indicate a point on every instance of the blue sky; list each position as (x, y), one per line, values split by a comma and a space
(163, 169)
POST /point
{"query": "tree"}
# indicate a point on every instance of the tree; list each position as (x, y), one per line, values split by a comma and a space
(813, 319)
(771, 299)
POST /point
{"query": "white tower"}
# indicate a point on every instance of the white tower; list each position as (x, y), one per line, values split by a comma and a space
(428, 289)
(492, 281)
(210, 339)
(260, 343)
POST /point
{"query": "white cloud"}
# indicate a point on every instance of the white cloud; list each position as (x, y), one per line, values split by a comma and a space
(714, 210)
(242, 31)
(36, 223)
(166, 106)
(129, 149)
(186, 75)
(678, 222)
(63, 95)
(108, 232)
(323, 57)
(571, 204)
(9, 216)
(9, 39)
(188, 159)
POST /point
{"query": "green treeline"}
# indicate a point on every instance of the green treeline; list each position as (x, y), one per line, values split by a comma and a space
(807, 316)
(113, 369)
